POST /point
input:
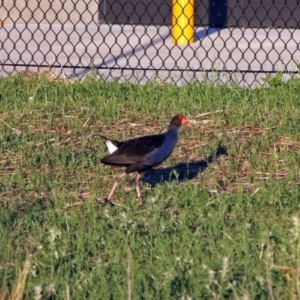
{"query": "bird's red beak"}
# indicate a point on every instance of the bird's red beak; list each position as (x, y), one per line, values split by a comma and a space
(185, 122)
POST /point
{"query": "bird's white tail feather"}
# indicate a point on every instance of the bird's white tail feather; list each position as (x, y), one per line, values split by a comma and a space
(110, 147)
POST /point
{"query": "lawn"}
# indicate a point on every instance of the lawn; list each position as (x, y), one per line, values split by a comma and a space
(219, 218)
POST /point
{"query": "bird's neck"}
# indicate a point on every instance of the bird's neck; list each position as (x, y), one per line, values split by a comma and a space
(173, 131)
(173, 127)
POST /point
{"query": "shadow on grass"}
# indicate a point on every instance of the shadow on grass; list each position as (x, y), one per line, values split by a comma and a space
(182, 171)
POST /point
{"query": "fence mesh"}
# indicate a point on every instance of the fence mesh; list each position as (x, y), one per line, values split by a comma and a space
(234, 41)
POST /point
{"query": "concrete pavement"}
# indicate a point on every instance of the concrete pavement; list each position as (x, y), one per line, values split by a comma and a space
(139, 53)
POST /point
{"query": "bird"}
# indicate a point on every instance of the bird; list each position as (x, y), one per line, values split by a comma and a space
(142, 153)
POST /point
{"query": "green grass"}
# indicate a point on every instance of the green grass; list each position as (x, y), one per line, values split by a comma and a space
(229, 231)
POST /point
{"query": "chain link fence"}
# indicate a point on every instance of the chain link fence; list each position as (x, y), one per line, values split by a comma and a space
(234, 41)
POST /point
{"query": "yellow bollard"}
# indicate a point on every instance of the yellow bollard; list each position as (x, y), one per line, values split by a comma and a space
(183, 21)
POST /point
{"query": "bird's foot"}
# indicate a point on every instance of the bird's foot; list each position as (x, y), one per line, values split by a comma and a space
(106, 201)
(141, 200)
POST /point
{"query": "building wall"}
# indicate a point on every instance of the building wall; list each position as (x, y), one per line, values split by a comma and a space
(215, 13)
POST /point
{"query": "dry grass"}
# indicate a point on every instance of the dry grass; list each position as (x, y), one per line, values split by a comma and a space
(202, 133)
(17, 292)
(48, 74)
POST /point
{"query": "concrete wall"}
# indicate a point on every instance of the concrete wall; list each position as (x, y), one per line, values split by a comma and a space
(48, 11)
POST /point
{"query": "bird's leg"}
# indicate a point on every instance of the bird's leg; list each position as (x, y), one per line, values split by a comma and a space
(137, 179)
(115, 185)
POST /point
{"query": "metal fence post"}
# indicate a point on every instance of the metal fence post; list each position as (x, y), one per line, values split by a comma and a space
(183, 21)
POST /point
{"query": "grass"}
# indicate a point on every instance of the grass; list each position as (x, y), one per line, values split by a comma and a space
(219, 219)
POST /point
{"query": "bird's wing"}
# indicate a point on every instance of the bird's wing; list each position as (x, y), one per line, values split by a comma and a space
(133, 151)
(115, 160)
